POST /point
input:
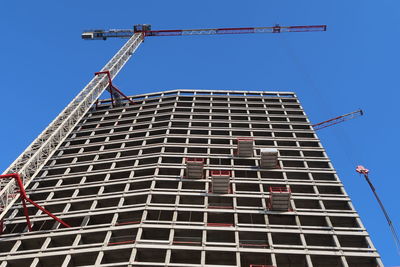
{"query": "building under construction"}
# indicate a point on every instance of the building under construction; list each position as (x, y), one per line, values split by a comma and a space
(179, 178)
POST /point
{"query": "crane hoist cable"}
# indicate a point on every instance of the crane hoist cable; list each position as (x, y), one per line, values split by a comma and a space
(362, 170)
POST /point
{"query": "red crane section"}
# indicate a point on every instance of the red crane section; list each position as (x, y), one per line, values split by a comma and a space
(345, 117)
(24, 198)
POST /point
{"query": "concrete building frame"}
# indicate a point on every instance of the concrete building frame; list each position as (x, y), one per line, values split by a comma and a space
(119, 181)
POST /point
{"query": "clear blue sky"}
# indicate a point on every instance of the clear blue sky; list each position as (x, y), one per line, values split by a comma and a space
(44, 64)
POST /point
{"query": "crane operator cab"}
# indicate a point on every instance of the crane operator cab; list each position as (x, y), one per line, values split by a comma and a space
(141, 28)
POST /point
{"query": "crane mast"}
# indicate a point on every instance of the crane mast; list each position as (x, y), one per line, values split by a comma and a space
(42, 148)
(28, 164)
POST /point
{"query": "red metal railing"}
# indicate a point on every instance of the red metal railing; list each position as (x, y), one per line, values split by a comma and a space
(273, 189)
(244, 139)
(195, 160)
(219, 207)
(220, 224)
(220, 173)
(254, 245)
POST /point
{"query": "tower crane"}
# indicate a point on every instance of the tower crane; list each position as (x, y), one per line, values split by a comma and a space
(365, 172)
(24, 169)
(339, 119)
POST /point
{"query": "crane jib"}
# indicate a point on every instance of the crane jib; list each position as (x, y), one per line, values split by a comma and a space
(274, 29)
(146, 31)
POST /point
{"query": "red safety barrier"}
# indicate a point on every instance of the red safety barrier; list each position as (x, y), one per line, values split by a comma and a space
(195, 160)
(254, 245)
(279, 189)
(25, 198)
(245, 139)
(220, 224)
(220, 173)
(220, 207)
